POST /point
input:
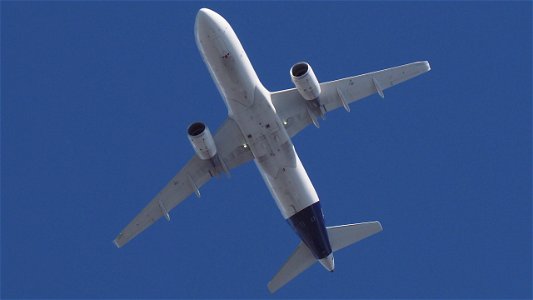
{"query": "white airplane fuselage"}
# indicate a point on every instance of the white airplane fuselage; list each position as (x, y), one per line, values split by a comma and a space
(249, 105)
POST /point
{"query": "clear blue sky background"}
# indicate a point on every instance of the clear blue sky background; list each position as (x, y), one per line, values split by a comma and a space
(96, 98)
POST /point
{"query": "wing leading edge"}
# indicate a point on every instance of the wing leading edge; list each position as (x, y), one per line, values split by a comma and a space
(297, 113)
(189, 179)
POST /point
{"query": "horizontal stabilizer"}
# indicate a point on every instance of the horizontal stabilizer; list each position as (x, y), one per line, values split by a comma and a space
(345, 235)
(300, 260)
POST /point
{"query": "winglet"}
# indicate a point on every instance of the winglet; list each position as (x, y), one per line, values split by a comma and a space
(427, 67)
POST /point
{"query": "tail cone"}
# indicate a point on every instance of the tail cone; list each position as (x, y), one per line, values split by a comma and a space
(328, 262)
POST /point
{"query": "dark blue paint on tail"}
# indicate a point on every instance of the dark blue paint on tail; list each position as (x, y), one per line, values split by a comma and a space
(309, 225)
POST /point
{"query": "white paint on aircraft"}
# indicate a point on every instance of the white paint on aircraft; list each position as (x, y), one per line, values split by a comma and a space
(259, 127)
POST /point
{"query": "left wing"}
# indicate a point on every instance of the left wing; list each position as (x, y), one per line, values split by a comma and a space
(197, 172)
(297, 112)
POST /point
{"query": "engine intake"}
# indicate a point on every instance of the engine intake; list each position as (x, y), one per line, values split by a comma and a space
(305, 80)
(201, 140)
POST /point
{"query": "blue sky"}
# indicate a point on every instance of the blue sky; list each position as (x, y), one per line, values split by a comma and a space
(96, 98)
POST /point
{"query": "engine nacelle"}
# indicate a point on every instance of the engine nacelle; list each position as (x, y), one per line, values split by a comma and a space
(304, 79)
(202, 141)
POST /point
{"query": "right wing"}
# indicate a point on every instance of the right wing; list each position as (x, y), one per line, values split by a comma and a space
(229, 141)
(296, 112)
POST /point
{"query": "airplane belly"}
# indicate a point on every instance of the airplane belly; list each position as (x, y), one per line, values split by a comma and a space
(291, 188)
(250, 105)
(298, 203)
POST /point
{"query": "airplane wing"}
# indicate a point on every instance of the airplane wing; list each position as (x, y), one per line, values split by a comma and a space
(297, 113)
(197, 172)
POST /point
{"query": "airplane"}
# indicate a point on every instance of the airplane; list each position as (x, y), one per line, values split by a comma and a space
(259, 127)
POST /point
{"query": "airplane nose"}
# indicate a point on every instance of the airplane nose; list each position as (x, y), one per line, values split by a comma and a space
(202, 14)
(201, 19)
(205, 19)
(205, 11)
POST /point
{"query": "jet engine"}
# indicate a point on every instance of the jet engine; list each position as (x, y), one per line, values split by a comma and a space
(304, 79)
(202, 141)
